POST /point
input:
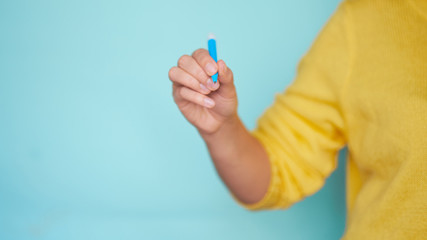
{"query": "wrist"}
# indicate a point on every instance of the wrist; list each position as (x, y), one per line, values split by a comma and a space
(228, 126)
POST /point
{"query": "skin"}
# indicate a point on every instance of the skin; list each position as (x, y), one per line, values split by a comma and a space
(239, 158)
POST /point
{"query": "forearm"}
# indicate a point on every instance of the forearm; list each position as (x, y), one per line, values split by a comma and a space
(240, 160)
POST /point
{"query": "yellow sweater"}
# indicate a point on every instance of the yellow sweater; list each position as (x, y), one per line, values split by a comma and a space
(363, 84)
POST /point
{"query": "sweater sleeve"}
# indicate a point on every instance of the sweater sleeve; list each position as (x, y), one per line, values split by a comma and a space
(303, 129)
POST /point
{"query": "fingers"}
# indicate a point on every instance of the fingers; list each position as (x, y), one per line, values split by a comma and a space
(181, 77)
(193, 96)
(209, 65)
(190, 65)
(225, 75)
(203, 58)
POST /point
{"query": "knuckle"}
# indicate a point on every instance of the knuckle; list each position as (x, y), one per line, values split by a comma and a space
(230, 73)
(172, 73)
(183, 59)
(199, 52)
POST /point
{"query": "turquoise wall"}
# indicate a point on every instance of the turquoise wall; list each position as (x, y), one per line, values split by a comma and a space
(91, 143)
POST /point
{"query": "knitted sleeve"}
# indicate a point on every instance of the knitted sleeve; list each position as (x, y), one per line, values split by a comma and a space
(303, 129)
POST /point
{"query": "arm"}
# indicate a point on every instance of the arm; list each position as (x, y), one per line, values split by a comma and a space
(239, 158)
(301, 132)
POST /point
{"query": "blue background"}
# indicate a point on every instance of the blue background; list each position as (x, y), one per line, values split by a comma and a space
(92, 145)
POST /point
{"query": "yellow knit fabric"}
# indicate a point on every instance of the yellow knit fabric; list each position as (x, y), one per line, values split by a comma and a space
(363, 84)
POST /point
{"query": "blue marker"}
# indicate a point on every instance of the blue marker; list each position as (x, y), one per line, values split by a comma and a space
(212, 52)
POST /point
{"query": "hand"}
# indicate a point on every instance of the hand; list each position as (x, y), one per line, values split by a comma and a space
(204, 104)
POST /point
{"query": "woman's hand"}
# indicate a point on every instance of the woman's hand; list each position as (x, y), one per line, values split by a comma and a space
(204, 104)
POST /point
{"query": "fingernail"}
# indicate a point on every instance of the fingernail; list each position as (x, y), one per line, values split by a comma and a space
(210, 68)
(209, 102)
(204, 89)
(216, 85)
(210, 84)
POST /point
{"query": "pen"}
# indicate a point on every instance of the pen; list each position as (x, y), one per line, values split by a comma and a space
(212, 52)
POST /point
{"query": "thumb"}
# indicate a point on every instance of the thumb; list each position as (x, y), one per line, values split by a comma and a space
(225, 77)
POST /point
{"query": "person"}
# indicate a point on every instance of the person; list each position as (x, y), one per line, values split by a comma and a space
(363, 84)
